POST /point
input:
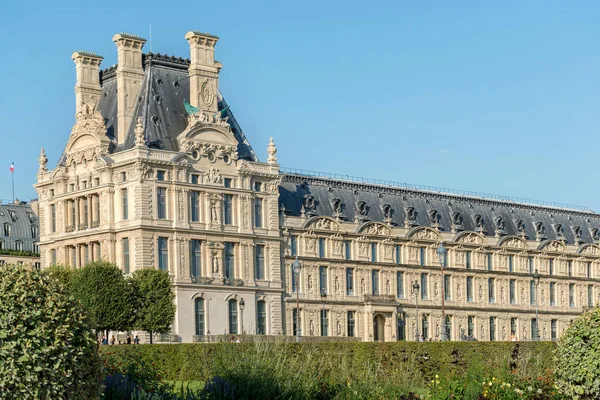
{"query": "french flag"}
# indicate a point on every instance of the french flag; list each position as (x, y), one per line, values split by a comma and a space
(12, 167)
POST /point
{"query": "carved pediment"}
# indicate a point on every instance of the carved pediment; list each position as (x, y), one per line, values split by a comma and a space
(512, 241)
(374, 228)
(589, 250)
(323, 223)
(552, 245)
(88, 138)
(469, 238)
(210, 141)
(423, 233)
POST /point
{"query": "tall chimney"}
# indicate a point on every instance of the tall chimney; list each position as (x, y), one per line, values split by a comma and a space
(87, 87)
(204, 71)
(130, 73)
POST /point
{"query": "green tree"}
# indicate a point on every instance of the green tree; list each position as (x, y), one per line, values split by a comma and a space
(577, 358)
(63, 274)
(47, 347)
(106, 295)
(156, 311)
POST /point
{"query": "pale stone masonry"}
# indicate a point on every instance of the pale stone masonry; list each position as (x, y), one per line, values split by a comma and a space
(157, 173)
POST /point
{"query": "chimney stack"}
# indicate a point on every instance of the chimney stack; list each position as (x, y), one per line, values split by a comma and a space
(87, 87)
(204, 71)
(130, 73)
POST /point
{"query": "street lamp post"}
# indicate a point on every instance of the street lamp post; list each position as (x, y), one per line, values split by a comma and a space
(536, 282)
(441, 251)
(415, 289)
(296, 266)
(242, 306)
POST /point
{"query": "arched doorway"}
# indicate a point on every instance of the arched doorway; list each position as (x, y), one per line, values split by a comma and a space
(379, 328)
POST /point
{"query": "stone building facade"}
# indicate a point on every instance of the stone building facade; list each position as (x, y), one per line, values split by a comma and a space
(19, 235)
(157, 173)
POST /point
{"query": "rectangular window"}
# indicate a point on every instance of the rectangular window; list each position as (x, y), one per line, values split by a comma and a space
(470, 325)
(294, 279)
(398, 254)
(125, 244)
(324, 323)
(449, 327)
(425, 326)
(512, 291)
(422, 256)
(199, 308)
(571, 295)
(161, 202)
(73, 210)
(257, 186)
(53, 227)
(552, 293)
(492, 329)
(491, 294)
(468, 259)
(195, 258)
(73, 257)
(553, 324)
(551, 266)
(511, 263)
(258, 213)
(227, 182)
(259, 262)
(349, 282)
(233, 317)
(163, 254)
(490, 264)
(229, 260)
(194, 179)
(513, 326)
(125, 205)
(261, 318)
(590, 290)
(86, 254)
(322, 247)
(227, 209)
(348, 246)
(53, 256)
(530, 262)
(469, 288)
(98, 252)
(400, 285)
(323, 280)
(375, 282)
(123, 176)
(532, 294)
(294, 245)
(160, 175)
(423, 286)
(194, 206)
(570, 268)
(351, 323)
(97, 181)
(373, 252)
(295, 321)
(535, 334)
(401, 327)
(85, 211)
(589, 269)
(447, 288)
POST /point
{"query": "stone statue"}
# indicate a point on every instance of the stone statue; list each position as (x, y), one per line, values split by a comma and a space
(458, 291)
(480, 292)
(140, 140)
(387, 287)
(310, 282)
(43, 161)
(339, 329)
(337, 284)
(562, 297)
(362, 285)
(215, 263)
(502, 294)
(213, 175)
(522, 296)
(482, 334)
(271, 152)
(213, 213)
(312, 328)
(503, 332)
(524, 333)
(435, 290)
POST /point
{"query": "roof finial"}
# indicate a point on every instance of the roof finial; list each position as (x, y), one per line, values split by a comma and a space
(43, 161)
(271, 151)
(140, 140)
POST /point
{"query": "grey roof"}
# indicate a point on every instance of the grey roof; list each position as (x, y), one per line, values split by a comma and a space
(295, 189)
(21, 219)
(160, 104)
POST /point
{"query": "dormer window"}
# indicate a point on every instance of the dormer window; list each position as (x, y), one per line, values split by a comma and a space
(19, 246)
(7, 229)
(34, 231)
(13, 215)
(31, 217)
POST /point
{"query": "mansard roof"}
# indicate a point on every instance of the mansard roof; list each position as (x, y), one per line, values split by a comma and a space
(408, 207)
(21, 218)
(160, 104)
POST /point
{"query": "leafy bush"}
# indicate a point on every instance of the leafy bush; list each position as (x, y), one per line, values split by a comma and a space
(47, 348)
(578, 358)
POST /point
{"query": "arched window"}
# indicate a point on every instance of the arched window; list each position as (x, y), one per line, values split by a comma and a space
(261, 318)
(233, 316)
(199, 304)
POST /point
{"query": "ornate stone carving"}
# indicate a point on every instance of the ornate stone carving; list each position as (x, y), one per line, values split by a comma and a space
(499, 224)
(425, 234)
(539, 230)
(310, 204)
(411, 217)
(479, 222)
(514, 242)
(213, 176)
(376, 228)
(273, 186)
(434, 217)
(590, 251)
(595, 232)
(271, 152)
(209, 150)
(363, 247)
(470, 238)
(140, 140)
(577, 233)
(324, 224)
(554, 246)
(43, 162)
(182, 258)
(520, 227)
(181, 205)
(388, 212)
(456, 220)
(88, 121)
(245, 211)
(559, 230)
(337, 207)
(247, 261)
(142, 171)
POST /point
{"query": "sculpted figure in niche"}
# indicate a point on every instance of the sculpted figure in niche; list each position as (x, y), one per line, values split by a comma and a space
(458, 291)
(387, 287)
(311, 244)
(520, 226)
(596, 234)
(310, 282)
(524, 333)
(502, 294)
(337, 247)
(522, 296)
(545, 333)
(213, 213)
(500, 223)
(456, 218)
(339, 329)
(435, 290)
(215, 263)
(337, 284)
(503, 332)
(362, 285)
(312, 328)
(480, 292)
(478, 221)
(482, 333)
(411, 214)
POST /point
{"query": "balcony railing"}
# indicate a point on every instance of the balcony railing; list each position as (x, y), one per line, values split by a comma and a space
(70, 228)
(95, 224)
(380, 298)
(206, 280)
(83, 226)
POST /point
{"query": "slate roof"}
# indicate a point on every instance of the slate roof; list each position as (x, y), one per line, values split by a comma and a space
(295, 189)
(21, 219)
(160, 104)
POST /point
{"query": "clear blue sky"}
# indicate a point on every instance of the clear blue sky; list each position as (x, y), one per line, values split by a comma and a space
(499, 97)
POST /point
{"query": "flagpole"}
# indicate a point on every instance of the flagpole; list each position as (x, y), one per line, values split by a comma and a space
(12, 175)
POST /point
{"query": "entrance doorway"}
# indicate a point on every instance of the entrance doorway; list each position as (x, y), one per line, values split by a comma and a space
(379, 328)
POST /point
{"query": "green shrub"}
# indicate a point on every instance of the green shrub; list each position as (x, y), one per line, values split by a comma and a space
(578, 358)
(47, 348)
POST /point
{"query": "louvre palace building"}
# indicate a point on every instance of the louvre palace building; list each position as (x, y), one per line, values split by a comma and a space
(157, 173)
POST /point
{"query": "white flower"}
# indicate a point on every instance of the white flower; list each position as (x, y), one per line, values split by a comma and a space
(529, 388)
(539, 391)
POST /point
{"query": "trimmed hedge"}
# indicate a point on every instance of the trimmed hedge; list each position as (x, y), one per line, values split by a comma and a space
(407, 364)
